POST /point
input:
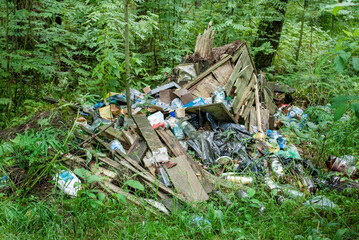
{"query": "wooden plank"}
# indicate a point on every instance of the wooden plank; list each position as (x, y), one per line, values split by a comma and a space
(217, 110)
(208, 71)
(269, 101)
(147, 132)
(113, 133)
(249, 107)
(252, 120)
(238, 53)
(234, 75)
(265, 119)
(177, 149)
(185, 180)
(243, 78)
(223, 73)
(137, 150)
(196, 93)
(206, 87)
(239, 99)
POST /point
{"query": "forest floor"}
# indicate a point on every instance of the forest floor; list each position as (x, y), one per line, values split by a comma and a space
(46, 213)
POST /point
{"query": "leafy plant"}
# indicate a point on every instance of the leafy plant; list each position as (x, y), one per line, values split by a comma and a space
(342, 103)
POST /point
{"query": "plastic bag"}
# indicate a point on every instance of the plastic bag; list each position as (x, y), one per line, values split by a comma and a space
(66, 181)
(176, 103)
(157, 120)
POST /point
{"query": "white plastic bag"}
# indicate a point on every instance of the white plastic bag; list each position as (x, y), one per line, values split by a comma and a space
(65, 180)
(157, 120)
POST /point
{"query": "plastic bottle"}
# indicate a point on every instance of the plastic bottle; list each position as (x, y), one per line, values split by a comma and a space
(177, 131)
(189, 130)
(219, 95)
(115, 144)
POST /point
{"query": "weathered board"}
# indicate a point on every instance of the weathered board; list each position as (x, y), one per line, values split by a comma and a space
(217, 110)
(238, 53)
(113, 133)
(223, 72)
(234, 75)
(239, 99)
(208, 71)
(137, 150)
(252, 120)
(205, 88)
(177, 150)
(185, 180)
(147, 132)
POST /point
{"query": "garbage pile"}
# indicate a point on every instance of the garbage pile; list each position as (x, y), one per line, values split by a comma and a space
(210, 127)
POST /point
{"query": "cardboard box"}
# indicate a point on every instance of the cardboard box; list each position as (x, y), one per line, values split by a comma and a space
(185, 95)
(166, 96)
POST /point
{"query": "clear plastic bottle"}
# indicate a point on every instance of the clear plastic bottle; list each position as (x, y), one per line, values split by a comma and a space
(189, 130)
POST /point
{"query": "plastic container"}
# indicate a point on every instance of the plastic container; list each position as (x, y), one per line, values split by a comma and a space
(115, 144)
(189, 130)
(240, 179)
(178, 131)
(66, 180)
(344, 164)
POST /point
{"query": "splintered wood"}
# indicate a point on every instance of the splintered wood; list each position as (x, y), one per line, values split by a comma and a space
(204, 43)
(236, 73)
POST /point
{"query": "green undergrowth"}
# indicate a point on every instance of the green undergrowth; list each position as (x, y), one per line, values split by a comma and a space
(64, 218)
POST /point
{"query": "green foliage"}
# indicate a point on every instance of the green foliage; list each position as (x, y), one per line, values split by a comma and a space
(32, 147)
(342, 103)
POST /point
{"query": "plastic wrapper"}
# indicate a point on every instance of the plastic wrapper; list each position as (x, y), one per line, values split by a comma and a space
(247, 165)
(201, 223)
(272, 146)
(176, 103)
(277, 167)
(186, 72)
(212, 145)
(223, 197)
(290, 152)
(3, 180)
(97, 123)
(156, 120)
(197, 102)
(184, 145)
(66, 181)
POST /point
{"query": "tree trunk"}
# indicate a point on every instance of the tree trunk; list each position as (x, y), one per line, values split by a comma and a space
(301, 31)
(127, 61)
(269, 30)
(8, 58)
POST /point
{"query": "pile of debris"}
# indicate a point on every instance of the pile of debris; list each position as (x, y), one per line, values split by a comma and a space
(211, 126)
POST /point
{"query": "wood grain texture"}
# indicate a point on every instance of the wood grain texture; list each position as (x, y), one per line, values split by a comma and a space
(150, 136)
(185, 180)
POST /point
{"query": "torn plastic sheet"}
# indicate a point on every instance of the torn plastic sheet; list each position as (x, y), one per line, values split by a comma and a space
(211, 145)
